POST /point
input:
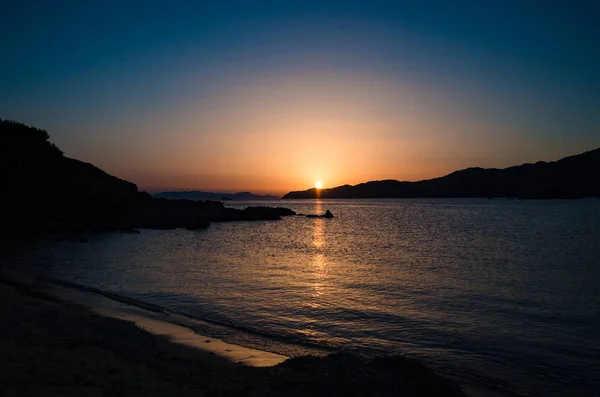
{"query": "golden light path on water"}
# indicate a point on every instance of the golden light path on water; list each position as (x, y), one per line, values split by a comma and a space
(319, 267)
(319, 263)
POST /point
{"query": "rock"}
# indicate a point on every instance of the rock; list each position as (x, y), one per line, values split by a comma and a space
(129, 231)
(343, 374)
(266, 213)
(327, 214)
(198, 224)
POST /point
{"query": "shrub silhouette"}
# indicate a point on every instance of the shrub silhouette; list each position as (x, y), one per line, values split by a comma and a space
(20, 140)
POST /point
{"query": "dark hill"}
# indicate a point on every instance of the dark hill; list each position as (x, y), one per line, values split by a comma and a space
(41, 184)
(571, 177)
(44, 191)
(198, 195)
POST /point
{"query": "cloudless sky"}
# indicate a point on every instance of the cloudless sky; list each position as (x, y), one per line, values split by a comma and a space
(270, 96)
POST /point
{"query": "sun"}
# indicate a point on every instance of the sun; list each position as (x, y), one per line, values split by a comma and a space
(318, 184)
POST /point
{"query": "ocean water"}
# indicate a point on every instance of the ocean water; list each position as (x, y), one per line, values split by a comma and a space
(502, 295)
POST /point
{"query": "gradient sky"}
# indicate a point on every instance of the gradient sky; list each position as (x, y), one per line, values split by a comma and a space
(270, 96)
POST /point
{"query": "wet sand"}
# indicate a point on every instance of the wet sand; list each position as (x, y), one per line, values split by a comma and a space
(53, 347)
(181, 338)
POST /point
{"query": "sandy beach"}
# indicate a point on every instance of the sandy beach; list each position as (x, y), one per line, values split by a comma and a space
(53, 347)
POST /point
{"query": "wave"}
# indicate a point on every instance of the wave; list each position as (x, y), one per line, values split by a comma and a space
(231, 333)
(244, 336)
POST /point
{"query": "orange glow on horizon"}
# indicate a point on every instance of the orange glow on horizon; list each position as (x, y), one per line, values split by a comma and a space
(274, 134)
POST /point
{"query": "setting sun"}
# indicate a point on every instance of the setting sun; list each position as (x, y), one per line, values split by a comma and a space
(318, 184)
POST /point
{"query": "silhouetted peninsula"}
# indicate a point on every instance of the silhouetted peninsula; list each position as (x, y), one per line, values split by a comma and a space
(46, 192)
(198, 195)
(571, 177)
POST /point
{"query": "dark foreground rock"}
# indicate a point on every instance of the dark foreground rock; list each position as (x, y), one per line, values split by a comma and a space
(340, 375)
(129, 231)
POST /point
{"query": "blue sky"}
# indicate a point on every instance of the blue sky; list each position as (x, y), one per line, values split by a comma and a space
(199, 94)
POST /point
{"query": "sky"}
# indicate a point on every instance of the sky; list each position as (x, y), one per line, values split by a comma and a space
(271, 96)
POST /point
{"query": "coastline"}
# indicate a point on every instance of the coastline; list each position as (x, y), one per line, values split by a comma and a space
(56, 348)
(56, 344)
(181, 339)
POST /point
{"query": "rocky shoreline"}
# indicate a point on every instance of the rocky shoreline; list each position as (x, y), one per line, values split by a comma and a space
(47, 192)
(148, 213)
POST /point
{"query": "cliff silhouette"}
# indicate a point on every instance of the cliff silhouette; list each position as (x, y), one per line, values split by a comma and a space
(571, 177)
(46, 192)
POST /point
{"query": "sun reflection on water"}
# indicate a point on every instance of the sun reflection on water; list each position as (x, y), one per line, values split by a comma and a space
(319, 260)
(319, 234)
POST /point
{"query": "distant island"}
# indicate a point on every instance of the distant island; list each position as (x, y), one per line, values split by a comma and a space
(571, 177)
(198, 195)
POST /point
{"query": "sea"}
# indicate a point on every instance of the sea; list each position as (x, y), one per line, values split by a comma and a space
(502, 295)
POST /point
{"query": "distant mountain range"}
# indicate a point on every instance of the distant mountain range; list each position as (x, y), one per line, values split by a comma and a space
(571, 177)
(198, 195)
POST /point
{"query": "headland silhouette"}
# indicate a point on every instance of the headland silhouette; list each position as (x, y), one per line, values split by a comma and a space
(47, 192)
(571, 177)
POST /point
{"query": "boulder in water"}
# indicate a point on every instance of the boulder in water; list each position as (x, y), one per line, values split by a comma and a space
(327, 214)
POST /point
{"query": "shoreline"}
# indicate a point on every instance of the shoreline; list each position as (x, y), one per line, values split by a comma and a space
(53, 344)
(178, 335)
(159, 320)
(181, 337)
(51, 347)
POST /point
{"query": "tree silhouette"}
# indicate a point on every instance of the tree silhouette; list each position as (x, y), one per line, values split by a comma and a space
(22, 141)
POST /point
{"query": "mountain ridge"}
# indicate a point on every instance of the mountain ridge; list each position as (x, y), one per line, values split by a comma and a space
(570, 177)
(201, 195)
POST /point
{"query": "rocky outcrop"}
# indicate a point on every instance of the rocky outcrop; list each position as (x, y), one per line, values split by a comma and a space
(261, 212)
(169, 214)
(327, 214)
(47, 192)
(340, 374)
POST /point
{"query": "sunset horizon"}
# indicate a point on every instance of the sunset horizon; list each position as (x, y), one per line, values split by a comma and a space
(270, 97)
(300, 198)
(317, 183)
(326, 185)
